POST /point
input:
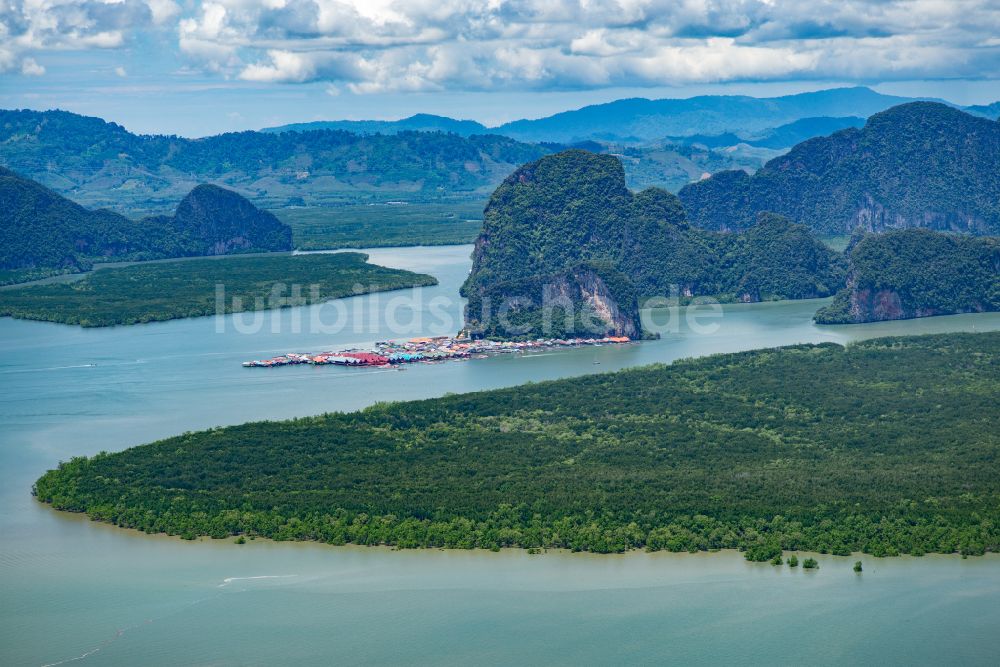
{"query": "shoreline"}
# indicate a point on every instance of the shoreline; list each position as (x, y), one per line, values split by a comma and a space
(206, 542)
(83, 519)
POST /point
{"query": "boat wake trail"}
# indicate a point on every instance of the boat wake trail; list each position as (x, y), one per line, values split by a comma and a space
(229, 580)
(121, 631)
(118, 635)
(48, 368)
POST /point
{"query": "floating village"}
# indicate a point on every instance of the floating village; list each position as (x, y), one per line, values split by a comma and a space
(427, 350)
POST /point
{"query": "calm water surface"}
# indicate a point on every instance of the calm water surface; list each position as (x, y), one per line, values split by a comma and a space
(74, 590)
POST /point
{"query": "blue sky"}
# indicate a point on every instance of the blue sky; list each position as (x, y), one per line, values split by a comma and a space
(199, 67)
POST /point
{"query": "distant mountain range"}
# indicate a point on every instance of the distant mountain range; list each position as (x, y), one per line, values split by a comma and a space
(422, 158)
(102, 164)
(43, 233)
(985, 110)
(419, 123)
(645, 120)
(776, 138)
(641, 120)
(922, 164)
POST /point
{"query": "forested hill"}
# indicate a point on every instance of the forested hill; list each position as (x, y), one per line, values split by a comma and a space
(887, 446)
(921, 164)
(215, 221)
(909, 273)
(43, 233)
(102, 164)
(41, 230)
(567, 227)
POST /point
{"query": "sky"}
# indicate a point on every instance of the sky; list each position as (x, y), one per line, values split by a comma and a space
(198, 67)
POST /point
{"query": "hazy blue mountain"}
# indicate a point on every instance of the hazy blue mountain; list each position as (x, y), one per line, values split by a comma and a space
(986, 110)
(786, 136)
(420, 122)
(101, 164)
(698, 119)
(777, 138)
(921, 164)
(645, 119)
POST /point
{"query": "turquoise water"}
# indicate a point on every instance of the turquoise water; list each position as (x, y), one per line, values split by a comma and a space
(73, 589)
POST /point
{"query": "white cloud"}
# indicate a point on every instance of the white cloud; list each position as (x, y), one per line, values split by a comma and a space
(31, 68)
(163, 10)
(120, 71)
(284, 67)
(378, 45)
(32, 27)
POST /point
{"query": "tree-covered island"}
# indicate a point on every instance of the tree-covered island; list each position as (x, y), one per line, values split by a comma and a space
(154, 291)
(888, 446)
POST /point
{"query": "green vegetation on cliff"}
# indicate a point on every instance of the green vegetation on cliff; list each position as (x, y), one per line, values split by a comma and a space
(41, 232)
(887, 446)
(909, 273)
(214, 221)
(921, 164)
(777, 259)
(153, 291)
(572, 209)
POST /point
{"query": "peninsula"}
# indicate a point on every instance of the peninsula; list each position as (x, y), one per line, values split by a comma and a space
(885, 446)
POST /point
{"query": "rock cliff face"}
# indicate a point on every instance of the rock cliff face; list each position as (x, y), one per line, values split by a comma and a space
(903, 274)
(921, 164)
(598, 298)
(546, 262)
(875, 305)
(582, 301)
(565, 232)
(872, 216)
